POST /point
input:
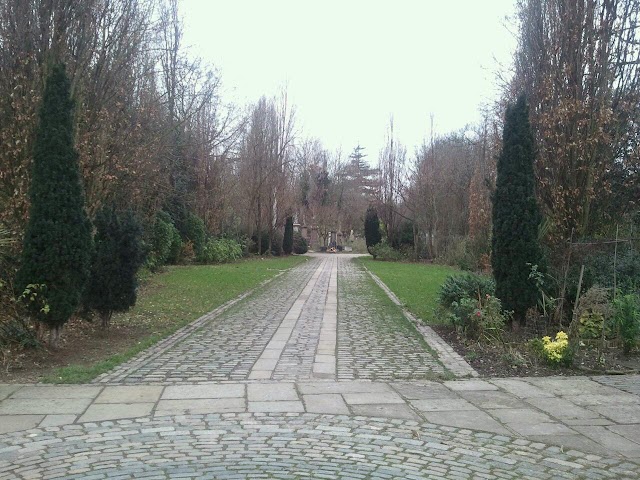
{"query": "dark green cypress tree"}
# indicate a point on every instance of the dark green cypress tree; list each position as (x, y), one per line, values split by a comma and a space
(287, 240)
(372, 233)
(118, 254)
(516, 217)
(57, 242)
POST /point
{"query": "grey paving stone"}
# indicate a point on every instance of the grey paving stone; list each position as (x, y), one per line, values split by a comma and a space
(423, 390)
(372, 398)
(610, 440)
(14, 423)
(471, 419)
(604, 400)
(63, 391)
(520, 388)
(469, 385)
(280, 406)
(115, 411)
(542, 428)
(630, 432)
(6, 390)
(130, 394)
(324, 368)
(443, 405)
(621, 413)
(492, 399)
(560, 408)
(520, 415)
(57, 420)
(568, 386)
(343, 387)
(571, 442)
(626, 383)
(385, 410)
(175, 392)
(41, 406)
(267, 392)
(200, 406)
(331, 403)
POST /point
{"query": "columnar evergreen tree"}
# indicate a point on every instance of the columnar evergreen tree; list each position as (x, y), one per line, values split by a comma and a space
(516, 217)
(287, 240)
(117, 256)
(57, 242)
(372, 233)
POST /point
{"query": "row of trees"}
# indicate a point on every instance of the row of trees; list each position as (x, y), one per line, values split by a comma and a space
(153, 135)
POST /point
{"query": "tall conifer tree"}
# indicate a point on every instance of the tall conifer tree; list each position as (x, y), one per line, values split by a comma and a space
(117, 256)
(287, 239)
(516, 217)
(372, 233)
(57, 242)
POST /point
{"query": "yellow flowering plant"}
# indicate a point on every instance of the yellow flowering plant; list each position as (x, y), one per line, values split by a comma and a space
(557, 351)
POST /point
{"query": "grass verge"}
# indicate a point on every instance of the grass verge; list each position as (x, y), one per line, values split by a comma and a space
(172, 299)
(415, 284)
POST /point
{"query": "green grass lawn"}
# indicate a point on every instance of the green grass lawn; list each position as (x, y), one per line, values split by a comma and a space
(415, 284)
(172, 299)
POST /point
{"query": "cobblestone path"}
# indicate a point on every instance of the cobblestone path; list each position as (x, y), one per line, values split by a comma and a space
(317, 374)
(275, 334)
(375, 340)
(252, 446)
(225, 347)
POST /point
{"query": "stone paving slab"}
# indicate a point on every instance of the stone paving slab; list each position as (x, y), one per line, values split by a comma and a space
(493, 405)
(115, 411)
(130, 394)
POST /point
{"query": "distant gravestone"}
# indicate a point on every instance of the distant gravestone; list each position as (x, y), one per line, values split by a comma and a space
(348, 249)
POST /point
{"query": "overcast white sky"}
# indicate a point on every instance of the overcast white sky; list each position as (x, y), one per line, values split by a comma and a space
(350, 64)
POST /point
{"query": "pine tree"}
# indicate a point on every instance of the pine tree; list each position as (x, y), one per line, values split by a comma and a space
(516, 217)
(118, 255)
(372, 233)
(287, 240)
(57, 242)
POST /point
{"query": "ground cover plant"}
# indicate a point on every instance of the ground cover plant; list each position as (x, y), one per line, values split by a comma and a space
(167, 301)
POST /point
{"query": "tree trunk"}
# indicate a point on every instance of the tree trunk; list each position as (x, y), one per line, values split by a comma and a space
(54, 336)
(105, 319)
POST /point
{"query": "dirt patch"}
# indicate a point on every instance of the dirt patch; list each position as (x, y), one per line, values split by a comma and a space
(514, 358)
(82, 343)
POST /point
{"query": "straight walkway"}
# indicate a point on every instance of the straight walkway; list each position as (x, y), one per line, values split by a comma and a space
(318, 374)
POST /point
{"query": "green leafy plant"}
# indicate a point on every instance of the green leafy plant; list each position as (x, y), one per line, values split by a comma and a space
(627, 320)
(196, 233)
(166, 243)
(594, 312)
(546, 303)
(481, 318)
(471, 285)
(384, 251)
(299, 244)
(221, 250)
